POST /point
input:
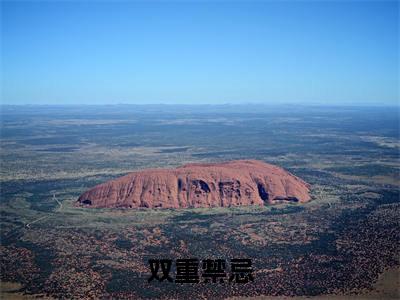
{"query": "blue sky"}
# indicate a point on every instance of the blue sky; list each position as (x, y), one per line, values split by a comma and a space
(200, 52)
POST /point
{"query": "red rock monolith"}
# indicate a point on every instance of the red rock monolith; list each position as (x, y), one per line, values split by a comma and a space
(234, 183)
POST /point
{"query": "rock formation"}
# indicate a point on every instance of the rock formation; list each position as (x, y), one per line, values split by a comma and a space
(234, 183)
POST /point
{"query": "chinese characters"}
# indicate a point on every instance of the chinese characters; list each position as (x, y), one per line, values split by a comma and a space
(191, 270)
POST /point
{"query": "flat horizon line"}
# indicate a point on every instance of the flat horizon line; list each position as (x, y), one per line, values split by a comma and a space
(205, 104)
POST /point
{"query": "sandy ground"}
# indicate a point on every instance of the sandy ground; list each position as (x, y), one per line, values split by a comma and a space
(387, 287)
(9, 291)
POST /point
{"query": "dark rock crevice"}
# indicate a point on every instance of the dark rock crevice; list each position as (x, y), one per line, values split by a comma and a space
(262, 192)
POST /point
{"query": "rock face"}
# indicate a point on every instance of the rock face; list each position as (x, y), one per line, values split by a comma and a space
(234, 183)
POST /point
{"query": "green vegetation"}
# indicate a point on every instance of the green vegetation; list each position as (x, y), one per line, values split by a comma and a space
(338, 243)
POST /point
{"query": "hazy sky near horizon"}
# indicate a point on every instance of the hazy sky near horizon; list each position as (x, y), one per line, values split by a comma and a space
(89, 52)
